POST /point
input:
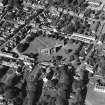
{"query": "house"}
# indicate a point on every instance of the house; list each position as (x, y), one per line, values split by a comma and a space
(81, 15)
(10, 64)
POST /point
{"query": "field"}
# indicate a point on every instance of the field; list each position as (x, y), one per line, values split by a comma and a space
(95, 98)
(42, 43)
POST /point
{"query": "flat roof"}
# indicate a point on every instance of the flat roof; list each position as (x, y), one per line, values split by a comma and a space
(84, 36)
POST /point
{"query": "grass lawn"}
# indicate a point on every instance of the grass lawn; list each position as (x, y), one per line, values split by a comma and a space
(42, 42)
(95, 98)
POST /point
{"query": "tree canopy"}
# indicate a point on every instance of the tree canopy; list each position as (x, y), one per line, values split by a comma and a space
(22, 47)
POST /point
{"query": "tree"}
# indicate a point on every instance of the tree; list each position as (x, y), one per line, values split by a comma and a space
(80, 2)
(11, 92)
(18, 101)
(101, 62)
(77, 84)
(59, 57)
(2, 88)
(71, 58)
(22, 47)
(3, 70)
(67, 2)
(60, 101)
(15, 3)
(70, 28)
(17, 39)
(84, 93)
(5, 2)
(15, 80)
(87, 13)
(102, 37)
(84, 77)
(52, 101)
(78, 98)
(30, 38)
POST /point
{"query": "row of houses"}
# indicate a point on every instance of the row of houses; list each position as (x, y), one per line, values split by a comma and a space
(99, 88)
(96, 5)
(89, 68)
(11, 61)
(94, 2)
(81, 37)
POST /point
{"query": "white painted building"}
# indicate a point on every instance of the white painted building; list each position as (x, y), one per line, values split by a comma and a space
(94, 2)
(89, 68)
(81, 37)
(45, 51)
(98, 88)
(10, 64)
(6, 55)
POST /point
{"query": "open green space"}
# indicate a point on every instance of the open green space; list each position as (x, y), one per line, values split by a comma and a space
(95, 98)
(42, 43)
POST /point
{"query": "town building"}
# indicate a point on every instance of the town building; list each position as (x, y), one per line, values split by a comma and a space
(81, 37)
(99, 88)
(95, 5)
(6, 55)
(89, 68)
(51, 50)
(44, 51)
(94, 2)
